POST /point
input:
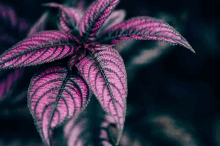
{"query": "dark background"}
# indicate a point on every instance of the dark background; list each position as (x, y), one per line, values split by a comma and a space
(173, 98)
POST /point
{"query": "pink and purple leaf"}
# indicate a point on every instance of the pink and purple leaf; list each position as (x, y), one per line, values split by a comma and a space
(143, 28)
(95, 17)
(42, 47)
(105, 73)
(56, 95)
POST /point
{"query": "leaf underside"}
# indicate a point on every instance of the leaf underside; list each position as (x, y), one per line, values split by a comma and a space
(42, 47)
(95, 16)
(54, 96)
(105, 73)
(143, 28)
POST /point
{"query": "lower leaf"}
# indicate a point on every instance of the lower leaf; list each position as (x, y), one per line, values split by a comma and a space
(54, 96)
(105, 73)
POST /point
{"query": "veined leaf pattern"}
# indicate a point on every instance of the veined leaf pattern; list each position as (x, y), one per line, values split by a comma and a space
(105, 73)
(143, 28)
(40, 24)
(115, 18)
(69, 17)
(95, 16)
(42, 47)
(54, 96)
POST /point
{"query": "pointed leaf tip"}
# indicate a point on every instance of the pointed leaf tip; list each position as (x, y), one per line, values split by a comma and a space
(143, 28)
(193, 50)
(54, 96)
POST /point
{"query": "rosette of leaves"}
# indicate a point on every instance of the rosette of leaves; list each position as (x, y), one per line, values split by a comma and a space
(86, 62)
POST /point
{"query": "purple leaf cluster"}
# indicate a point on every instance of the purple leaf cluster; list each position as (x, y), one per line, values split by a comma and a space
(81, 60)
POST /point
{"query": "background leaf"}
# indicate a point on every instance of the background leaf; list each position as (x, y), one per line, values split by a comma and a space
(95, 16)
(115, 18)
(8, 81)
(69, 18)
(105, 73)
(54, 96)
(40, 24)
(91, 127)
(42, 47)
(10, 32)
(143, 28)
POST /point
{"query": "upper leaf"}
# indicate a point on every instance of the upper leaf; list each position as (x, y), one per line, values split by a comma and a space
(95, 16)
(40, 24)
(105, 73)
(42, 47)
(143, 28)
(69, 17)
(115, 18)
(54, 96)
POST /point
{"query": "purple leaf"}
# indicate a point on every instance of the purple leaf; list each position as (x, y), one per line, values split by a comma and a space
(69, 17)
(95, 16)
(8, 81)
(40, 24)
(42, 47)
(54, 96)
(115, 18)
(143, 28)
(105, 73)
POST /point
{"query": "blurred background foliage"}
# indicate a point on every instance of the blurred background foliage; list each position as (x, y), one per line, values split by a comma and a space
(173, 94)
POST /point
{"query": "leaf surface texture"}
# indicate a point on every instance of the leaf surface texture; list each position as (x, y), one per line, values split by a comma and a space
(105, 73)
(54, 96)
